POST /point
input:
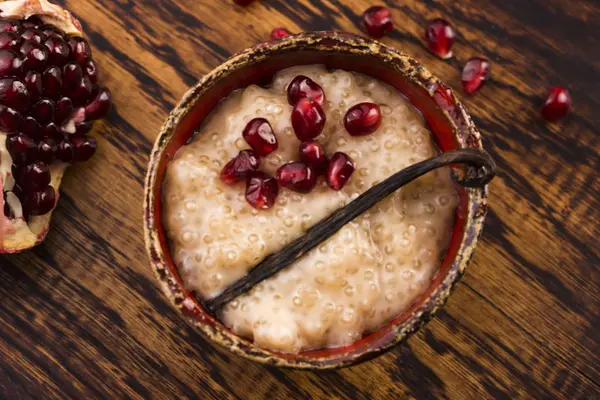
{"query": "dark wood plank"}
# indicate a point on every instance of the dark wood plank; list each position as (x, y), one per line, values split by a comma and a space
(82, 317)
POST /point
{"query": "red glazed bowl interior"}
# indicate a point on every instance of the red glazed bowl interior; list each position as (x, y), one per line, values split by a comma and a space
(451, 129)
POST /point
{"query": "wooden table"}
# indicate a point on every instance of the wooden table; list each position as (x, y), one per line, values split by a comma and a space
(81, 315)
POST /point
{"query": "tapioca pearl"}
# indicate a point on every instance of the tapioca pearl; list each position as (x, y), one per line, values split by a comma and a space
(429, 208)
(241, 144)
(443, 200)
(407, 274)
(385, 109)
(348, 315)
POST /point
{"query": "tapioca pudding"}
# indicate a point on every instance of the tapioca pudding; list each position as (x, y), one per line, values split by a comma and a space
(232, 198)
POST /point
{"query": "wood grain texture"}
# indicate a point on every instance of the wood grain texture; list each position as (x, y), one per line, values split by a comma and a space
(81, 315)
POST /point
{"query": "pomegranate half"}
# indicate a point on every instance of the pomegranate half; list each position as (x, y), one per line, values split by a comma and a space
(49, 96)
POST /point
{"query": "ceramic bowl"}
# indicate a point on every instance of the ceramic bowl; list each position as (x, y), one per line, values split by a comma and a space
(448, 120)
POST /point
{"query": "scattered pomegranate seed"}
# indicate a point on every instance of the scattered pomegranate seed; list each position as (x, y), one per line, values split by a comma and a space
(297, 176)
(278, 33)
(243, 2)
(474, 74)
(259, 134)
(308, 119)
(440, 36)
(261, 190)
(557, 104)
(239, 167)
(313, 154)
(377, 21)
(302, 86)
(362, 119)
(341, 167)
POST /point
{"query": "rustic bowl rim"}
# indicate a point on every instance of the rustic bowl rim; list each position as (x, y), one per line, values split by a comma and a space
(463, 128)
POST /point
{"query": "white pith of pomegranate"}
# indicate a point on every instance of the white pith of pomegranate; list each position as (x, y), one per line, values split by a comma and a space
(49, 96)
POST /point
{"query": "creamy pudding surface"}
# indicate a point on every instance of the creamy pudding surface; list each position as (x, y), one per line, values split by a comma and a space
(366, 274)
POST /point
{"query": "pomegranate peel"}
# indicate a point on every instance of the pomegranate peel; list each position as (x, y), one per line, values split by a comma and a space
(49, 13)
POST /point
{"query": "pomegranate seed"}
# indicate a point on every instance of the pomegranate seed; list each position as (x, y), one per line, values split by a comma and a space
(341, 167)
(440, 36)
(474, 74)
(80, 50)
(52, 82)
(313, 154)
(9, 26)
(10, 63)
(308, 119)
(33, 82)
(31, 127)
(34, 176)
(243, 2)
(362, 119)
(279, 33)
(72, 74)
(40, 203)
(239, 167)
(100, 106)
(14, 94)
(10, 41)
(297, 176)
(64, 110)
(32, 34)
(91, 71)
(261, 190)
(32, 22)
(84, 148)
(22, 148)
(58, 50)
(83, 127)
(65, 151)
(36, 56)
(43, 111)
(557, 104)
(260, 136)
(302, 86)
(46, 151)
(51, 30)
(51, 131)
(442, 95)
(377, 21)
(82, 91)
(10, 120)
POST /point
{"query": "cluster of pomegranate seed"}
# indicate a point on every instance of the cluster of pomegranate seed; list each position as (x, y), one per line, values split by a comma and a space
(308, 120)
(49, 97)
